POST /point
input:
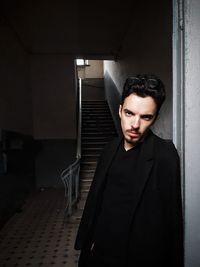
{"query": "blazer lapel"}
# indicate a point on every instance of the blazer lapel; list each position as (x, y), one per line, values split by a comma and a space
(145, 164)
(105, 164)
(144, 167)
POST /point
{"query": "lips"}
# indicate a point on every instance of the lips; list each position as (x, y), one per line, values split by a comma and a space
(133, 134)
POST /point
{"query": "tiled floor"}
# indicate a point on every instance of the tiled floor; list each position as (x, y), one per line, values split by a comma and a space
(38, 235)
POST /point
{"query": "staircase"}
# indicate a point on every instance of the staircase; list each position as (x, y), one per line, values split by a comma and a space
(97, 129)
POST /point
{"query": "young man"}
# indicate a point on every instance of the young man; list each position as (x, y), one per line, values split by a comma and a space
(132, 216)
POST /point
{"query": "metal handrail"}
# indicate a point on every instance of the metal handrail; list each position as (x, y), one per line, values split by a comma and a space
(79, 95)
(70, 176)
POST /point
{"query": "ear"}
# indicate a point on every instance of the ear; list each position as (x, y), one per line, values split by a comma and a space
(120, 111)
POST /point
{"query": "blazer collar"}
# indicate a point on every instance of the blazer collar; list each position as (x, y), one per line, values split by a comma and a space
(146, 154)
(106, 162)
(145, 164)
(147, 151)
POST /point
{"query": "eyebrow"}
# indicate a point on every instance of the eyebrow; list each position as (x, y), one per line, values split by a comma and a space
(142, 115)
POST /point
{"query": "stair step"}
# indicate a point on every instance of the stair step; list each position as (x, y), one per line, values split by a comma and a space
(97, 129)
(87, 171)
(95, 138)
(97, 122)
(94, 101)
(98, 135)
(84, 155)
(90, 157)
(90, 178)
(100, 126)
(86, 177)
(89, 162)
(94, 105)
(94, 110)
(81, 205)
(92, 149)
(85, 188)
(96, 115)
(94, 143)
(86, 180)
(93, 159)
(84, 192)
(84, 167)
(87, 107)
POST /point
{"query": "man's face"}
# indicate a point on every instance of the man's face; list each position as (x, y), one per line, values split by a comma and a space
(137, 115)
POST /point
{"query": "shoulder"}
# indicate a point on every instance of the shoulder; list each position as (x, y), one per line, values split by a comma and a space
(165, 149)
(108, 150)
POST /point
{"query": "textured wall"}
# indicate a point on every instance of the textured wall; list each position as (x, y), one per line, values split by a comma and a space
(191, 133)
(146, 48)
(113, 98)
(54, 157)
(54, 96)
(94, 70)
(15, 92)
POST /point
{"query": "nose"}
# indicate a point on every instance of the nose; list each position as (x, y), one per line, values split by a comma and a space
(135, 124)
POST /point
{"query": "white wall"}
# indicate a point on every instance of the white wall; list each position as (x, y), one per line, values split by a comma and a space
(15, 90)
(94, 70)
(147, 49)
(191, 132)
(54, 100)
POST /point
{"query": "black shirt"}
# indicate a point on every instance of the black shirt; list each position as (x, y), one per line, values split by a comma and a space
(113, 223)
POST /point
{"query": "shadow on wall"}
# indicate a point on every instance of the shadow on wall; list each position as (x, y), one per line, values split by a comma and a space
(55, 156)
(113, 98)
(93, 89)
(17, 171)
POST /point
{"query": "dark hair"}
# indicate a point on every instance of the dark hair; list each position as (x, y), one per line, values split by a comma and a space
(145, 85)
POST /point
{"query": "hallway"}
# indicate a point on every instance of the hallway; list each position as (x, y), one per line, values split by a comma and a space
(37, 235)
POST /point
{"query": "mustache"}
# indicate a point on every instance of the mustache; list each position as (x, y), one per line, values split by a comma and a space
(133, 131)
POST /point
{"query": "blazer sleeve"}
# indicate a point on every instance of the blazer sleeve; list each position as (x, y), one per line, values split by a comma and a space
(172, 188)
(84, 231)
(177, 214)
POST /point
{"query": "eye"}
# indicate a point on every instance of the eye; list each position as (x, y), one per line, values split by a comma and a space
(128, 113)
(147, 117)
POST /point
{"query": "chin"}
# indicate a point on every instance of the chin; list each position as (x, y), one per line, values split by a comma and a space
(132, 141)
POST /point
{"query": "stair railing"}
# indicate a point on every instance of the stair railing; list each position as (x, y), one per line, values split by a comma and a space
(70, 176)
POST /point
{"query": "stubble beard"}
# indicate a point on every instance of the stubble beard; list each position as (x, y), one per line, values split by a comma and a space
(130, 141)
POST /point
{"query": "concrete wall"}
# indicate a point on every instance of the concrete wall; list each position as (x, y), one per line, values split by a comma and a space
(191, 132)
(54, 97)
(15, 92)
(55, 156)
(147, 49)
(94, 70)
(54, 116)
(93, 89)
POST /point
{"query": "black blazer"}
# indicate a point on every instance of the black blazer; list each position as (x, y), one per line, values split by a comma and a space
(156, 235)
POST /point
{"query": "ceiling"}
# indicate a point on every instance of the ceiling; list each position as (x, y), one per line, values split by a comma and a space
(88, 29)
